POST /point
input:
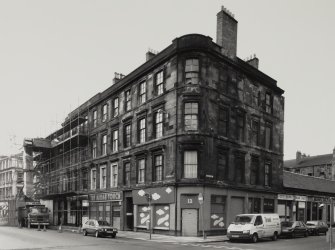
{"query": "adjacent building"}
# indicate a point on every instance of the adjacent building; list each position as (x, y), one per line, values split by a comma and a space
(194, 121)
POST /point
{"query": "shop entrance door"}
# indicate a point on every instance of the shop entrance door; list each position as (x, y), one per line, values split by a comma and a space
(129, 213)
(189, 222)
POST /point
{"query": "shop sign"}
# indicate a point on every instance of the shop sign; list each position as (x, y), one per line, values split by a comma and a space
(112, 196)
(300, 198)
(287, 197)
(189, 201)
(161, 195)
(33, 203)
(85, 203)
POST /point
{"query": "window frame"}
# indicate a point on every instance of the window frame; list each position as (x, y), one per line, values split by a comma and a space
(93, 170)
(127, 100)
(159, 86)
(115, 140)
(140, 170)
(241, 168)
(268, 103)
(95, 118)
(158, 124)
(155, 167)
(142, 131)
(116, 105)
(94, 147)
(113, 182)
(142, 92)
(185, 114)
(268, 173)
(103, 185)
(104, 144)
(126, 172)
(193, 164)
(104, 112)
(223, 121)
(193, 73)
(126, 135)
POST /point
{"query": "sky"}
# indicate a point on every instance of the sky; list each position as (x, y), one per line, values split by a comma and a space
(56, 54)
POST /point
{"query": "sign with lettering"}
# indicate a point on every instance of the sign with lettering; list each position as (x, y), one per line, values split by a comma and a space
(189, 201)
(112, 196)
(300, 198)
(287, 197)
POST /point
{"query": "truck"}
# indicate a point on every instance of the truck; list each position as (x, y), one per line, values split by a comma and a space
(33, 213)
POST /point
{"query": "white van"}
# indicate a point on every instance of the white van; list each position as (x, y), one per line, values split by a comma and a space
(254, 227)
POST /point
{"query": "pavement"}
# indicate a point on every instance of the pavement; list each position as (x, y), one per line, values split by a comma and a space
(154, 237)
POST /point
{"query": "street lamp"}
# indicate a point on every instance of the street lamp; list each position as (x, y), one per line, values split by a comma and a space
(201, 202)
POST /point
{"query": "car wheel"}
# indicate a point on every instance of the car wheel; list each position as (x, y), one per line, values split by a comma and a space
(254, 238)
(275, 236)
(84, 232)
(97, 234)
(293, 235)
(306, 234)
(113, 236)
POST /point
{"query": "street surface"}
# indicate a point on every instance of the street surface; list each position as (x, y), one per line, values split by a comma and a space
(15, 238)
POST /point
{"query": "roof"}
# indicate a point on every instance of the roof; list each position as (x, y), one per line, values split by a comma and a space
(309, 161)
(305, 182)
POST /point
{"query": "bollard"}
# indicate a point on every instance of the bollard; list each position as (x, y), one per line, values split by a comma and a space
(44, 228)
(39, 227)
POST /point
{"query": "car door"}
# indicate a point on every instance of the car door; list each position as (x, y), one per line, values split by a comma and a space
(259, 225)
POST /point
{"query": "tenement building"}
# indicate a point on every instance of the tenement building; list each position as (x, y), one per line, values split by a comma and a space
(195, 132)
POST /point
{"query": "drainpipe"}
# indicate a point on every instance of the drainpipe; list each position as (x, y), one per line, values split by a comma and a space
(176, 149)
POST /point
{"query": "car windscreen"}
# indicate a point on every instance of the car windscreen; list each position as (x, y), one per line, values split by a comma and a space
(103, 223)
(243, 219)
(287, 224)
(311, 223)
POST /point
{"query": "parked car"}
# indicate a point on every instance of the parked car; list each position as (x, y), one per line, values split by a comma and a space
(254, 227)
(293, 229)
(317, 227)
(99, 228)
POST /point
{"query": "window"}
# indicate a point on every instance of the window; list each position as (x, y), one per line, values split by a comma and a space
(222, 169)
(258, 221)
(191, 116)
(267, 174)
(103, 177)
(217, 216)
(93, 179)
(115, 140)
(158, 167)
(140, 171)
(114, 174)
(254, 205)
(223, 121)
(127, 100)
(159, 83)
(255, 132)
(159, 123)
(269, 206)
(142, 92)
(191, 164)
(127, 135)
(94, 148)
(192, 71)
(95, 116)
(84, 178)
(104, 112)
(141, 130)
(126, 176)
(268, 103)
(116, 107)
(240, 125)
(268, 135)
(239, 167)
(104, 145)
(254, 170)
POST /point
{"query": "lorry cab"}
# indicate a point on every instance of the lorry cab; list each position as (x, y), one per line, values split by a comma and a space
(254, 227)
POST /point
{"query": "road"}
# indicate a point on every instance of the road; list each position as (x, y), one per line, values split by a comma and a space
(15, 238)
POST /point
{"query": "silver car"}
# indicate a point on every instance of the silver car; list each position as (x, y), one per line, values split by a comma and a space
(99, 228)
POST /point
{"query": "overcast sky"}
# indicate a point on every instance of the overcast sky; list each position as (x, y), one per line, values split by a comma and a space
(54, 55)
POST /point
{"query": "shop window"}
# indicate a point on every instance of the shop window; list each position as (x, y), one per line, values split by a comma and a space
(143, 216)
(192, 71)
(218, 211)
(269, 206)
(161, 217)
(191, 164)
(254, 205)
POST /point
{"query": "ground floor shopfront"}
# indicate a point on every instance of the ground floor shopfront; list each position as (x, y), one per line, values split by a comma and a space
(303, 208)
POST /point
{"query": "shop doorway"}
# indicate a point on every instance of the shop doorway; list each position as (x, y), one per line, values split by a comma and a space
(189, 222)
(129, 213)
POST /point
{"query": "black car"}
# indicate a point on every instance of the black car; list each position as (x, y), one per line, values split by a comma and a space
(293, 229)
(99, 228)
(316, 227)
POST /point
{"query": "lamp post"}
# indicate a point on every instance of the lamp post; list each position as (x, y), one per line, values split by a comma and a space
(331, 222)
(149, 198)
(201, 202)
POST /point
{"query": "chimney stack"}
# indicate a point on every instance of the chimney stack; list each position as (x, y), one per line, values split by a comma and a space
(117, 77)
(150, 54)
(298, 157)
(333, 166)
(226, 32)
(253, 61)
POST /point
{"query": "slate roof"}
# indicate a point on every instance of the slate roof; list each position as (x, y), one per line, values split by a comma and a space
(309, 161)
(305, 182)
